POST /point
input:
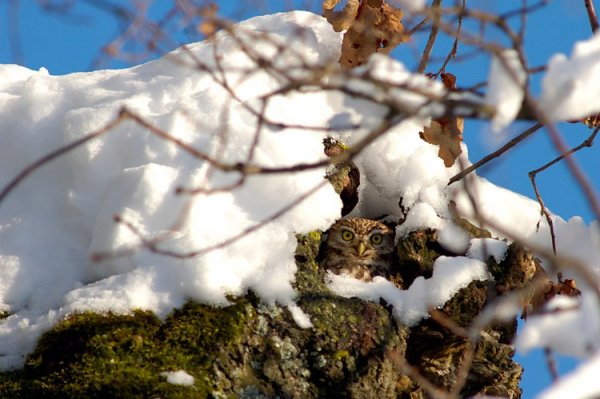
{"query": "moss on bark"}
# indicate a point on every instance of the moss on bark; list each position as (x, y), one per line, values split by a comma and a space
(252, 350)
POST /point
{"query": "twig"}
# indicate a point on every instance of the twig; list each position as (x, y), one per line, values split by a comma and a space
(152, 245)
(572, 165)
(551, 362)
(532, 175)
(523, 21)
(454, 50)
(443, 320)
(419, 26)
(435, 11)
(414, 373)
(589, 6)
(57, 153)
(225, 85)
(464, 368)
(546, 213)
(495, 154)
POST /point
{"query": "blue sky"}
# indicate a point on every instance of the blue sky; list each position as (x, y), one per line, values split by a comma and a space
(67, 43)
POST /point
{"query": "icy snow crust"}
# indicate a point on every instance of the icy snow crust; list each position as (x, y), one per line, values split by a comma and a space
(64, 211)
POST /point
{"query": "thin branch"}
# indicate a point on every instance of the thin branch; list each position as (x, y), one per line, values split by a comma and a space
(532, 175)
(419, 26)
(495, 154)
(591, 12)
(414, 373)
(152, 245)
(546, 213)
(464, 368)
(435, 11)
(57, 153)
(443, 320)
(454, 50)
(551, 362)
(561, 146)
(523, 27)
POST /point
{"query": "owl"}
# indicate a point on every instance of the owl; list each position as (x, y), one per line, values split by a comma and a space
(360, 248)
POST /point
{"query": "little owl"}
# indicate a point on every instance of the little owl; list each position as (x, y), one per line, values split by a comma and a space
(360, 248)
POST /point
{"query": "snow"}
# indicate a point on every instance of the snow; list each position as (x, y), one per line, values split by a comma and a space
(178, 377)
(570, 86)
(454, 239)
(450, 274)
(505, 87)
(483, 248)
(63, 213)
(581, 383)
(414, 6)
(569, 317)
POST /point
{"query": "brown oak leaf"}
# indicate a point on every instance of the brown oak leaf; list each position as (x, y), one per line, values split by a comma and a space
(340, 20)
(445, 132)
(548, 290)
(371, 27)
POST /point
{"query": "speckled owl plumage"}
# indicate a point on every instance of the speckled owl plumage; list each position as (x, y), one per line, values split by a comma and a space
(360, 248)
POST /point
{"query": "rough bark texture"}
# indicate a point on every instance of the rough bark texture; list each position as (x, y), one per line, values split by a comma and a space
(254, 350)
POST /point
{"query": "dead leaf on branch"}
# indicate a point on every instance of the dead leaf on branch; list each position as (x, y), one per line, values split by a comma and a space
(445, 132)
(210, 25)
(340, 20)
(592, 121)
(371, 27)
(566, 287)
(548, 289)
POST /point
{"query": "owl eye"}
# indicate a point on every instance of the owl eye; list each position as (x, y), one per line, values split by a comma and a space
(347, 235)
(376, 238)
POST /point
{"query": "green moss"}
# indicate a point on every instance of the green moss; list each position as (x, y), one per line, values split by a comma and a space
(253, 349)
(315, 236)
(92, 355)
(467, 303)
(309, 279)
(340, 354)
(416, 255)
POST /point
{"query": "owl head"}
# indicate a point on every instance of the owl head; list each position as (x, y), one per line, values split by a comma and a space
(361, 240)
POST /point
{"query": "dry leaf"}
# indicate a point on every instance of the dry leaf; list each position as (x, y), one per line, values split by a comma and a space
(547, 291)
(592, 121)
(210, 26)
(340, 20)
(446, 132)
(447, 135)
(372, 27)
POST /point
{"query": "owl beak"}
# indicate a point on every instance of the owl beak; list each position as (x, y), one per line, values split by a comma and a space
(360, 248)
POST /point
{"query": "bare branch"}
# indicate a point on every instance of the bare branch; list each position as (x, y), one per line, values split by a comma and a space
(436, 16)
(551, 362)
(454, 50)
(57, 153)
(591, 12)
(495, 154)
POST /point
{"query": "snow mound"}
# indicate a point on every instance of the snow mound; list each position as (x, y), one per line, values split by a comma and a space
(570, 87)
(229, 237)
(450, 274)
(64, 212)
